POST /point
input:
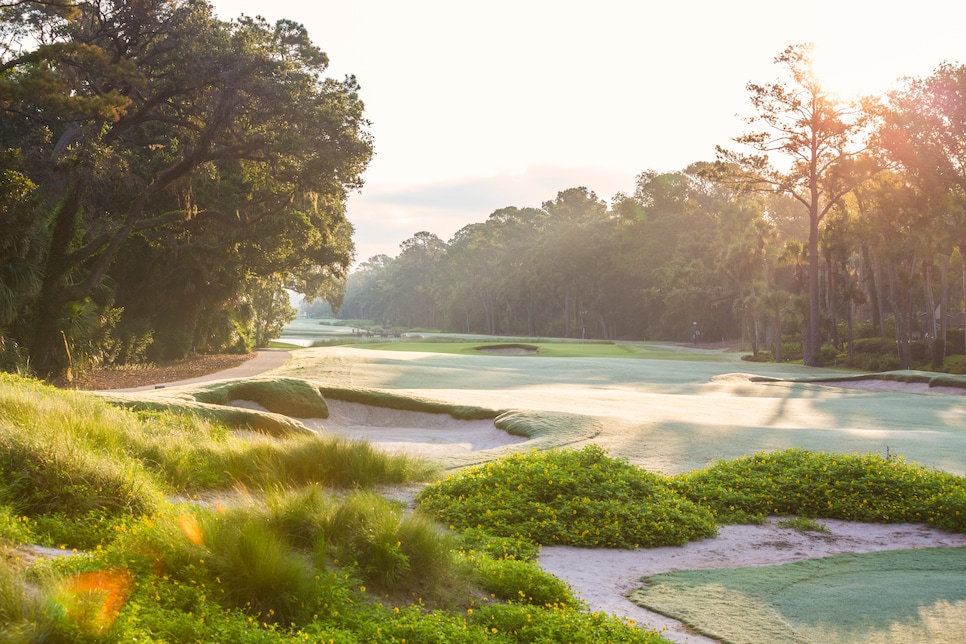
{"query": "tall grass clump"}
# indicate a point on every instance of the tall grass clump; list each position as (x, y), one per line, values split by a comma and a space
(194, 454)
(65, 452)
(333, 461)
(568, 497)
(858, 487)
(396, 552)
(24, 615)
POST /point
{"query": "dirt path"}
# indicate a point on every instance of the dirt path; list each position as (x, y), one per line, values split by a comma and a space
(264, 360)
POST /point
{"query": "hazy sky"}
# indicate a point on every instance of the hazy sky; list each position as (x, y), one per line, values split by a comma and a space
(480, 105)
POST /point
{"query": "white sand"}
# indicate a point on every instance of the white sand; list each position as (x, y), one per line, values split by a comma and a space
(604, 577)
(411, 432)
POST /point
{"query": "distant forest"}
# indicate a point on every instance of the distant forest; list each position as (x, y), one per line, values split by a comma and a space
(839, 222)
(165, 176)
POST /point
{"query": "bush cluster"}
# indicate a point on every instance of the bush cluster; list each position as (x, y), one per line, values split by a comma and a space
(859, 487)
(568, 497)
(585, 498)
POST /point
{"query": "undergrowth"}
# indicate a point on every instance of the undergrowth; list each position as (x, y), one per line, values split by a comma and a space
(268, 549)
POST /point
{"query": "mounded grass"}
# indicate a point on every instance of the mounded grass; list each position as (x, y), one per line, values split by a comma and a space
(61, 452)
(586, 498)
(283, 400)
(566, 497)
(857, 487)
(72, 457)
(286, 396)
(813, 600)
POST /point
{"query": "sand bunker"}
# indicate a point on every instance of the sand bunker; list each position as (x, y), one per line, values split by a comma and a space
(509, 349)
(411, 432)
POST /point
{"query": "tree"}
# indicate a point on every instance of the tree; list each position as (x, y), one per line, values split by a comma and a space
(184, 137)
(923, 132)
(817, 136)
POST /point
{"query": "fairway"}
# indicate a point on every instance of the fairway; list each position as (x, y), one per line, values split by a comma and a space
(663, 407)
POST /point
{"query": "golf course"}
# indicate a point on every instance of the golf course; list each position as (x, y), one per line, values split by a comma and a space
(672, 493)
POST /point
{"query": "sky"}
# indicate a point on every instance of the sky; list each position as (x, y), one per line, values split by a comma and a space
(475, 106)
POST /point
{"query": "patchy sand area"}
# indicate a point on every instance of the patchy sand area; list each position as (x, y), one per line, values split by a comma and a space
(604, 577)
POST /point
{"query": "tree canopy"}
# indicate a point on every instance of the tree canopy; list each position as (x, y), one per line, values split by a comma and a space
(829, 222)
(169, 168)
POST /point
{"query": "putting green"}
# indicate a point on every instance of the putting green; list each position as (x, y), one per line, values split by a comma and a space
(663, 407)
(918, 596)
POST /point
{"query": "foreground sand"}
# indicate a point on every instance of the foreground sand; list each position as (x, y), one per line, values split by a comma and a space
(603, 577)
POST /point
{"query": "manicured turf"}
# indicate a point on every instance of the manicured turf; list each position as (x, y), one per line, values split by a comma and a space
(902, 596)
(668, 415)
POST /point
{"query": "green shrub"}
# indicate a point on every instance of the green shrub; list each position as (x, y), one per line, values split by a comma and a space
(523, 582)
(955, 364)
(522, 623)
(875, 345)
(828, 356)
(792, 350)
(581, 498)
(473, 541)
(835, 486)
(763, 356)
(14, 527)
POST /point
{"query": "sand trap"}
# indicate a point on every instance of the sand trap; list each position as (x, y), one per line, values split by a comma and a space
(604, 577)
(409, 432)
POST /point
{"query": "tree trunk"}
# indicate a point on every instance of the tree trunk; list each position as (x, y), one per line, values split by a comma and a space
(903, 332)
(934, 342)
(812, 348)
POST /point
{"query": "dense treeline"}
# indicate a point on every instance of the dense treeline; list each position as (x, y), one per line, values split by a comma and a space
(846, 221)
(163, 175)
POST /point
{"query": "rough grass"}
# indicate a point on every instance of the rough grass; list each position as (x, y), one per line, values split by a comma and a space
(814, 600)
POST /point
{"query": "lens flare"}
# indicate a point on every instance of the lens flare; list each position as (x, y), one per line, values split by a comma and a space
(92, 600)
(191, 529)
